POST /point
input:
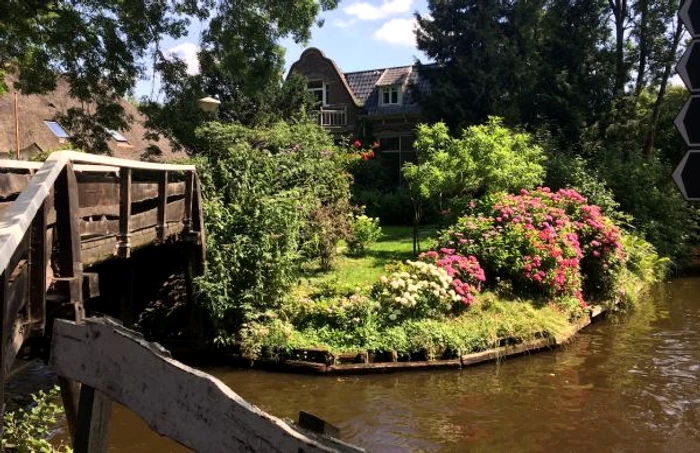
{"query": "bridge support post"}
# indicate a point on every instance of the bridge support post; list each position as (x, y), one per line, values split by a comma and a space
(95, 413)
(4, 279)
(124, 244)
(69, 267)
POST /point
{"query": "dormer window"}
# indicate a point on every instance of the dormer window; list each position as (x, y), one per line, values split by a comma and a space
(319, 91)
(391, 95)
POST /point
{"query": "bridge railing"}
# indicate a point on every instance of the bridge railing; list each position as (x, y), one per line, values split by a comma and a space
(76, 210)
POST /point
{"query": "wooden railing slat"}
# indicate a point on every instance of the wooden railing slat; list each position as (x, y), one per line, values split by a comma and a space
(124, 214)
(187, 405)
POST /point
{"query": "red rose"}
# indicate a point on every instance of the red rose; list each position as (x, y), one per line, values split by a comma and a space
(375, 145)
(357, 144)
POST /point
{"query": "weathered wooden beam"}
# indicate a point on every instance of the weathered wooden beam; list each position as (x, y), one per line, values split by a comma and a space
(176, 211)
(124, 246)
(142, 191)
(162, 205)
(69, 260)
(3, 341)
(185, 404)
(92, 427)
(99, 227)
(189, 196)
(38, 262)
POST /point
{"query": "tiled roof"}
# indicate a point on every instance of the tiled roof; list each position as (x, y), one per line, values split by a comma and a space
(365, 85)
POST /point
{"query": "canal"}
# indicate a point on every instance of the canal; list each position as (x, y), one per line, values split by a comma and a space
(629, 383)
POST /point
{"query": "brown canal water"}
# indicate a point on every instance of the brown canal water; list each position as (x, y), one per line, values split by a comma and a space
(627, 384)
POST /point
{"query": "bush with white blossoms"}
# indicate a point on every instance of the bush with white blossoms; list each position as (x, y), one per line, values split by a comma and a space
(416, 290)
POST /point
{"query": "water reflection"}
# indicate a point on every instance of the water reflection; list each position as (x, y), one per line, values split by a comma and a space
(628, 384)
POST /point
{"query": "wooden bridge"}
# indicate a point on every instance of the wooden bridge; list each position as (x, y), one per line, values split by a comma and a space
(61, 220)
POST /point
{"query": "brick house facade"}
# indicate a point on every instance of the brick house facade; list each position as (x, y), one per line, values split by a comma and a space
(377, 104)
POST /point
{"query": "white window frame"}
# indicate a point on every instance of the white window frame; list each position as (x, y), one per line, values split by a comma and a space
(389, 90)
(323, 89)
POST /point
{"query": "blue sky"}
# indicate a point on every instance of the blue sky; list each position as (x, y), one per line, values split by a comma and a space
(359, 34)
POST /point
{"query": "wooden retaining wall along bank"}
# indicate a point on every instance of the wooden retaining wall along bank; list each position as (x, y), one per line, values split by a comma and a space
(61, 218)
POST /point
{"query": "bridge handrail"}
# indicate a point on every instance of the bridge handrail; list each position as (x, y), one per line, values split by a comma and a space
(16, 220)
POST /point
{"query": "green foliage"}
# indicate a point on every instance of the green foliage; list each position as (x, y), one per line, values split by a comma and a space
(103, 47)
(485, 158)
(28, 430)
(364, 231)
(263, 192)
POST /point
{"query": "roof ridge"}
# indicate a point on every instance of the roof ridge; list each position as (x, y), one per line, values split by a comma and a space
(380, 69)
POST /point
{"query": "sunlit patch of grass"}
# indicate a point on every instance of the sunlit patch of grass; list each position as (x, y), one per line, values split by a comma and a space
(396, 244)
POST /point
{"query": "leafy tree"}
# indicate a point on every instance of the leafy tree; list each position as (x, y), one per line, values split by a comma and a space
(102, 47)
(485, 158)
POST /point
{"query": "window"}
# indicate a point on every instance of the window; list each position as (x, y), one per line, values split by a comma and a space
(57, 130)
(117, 136)
(319, 90)
(391, 96)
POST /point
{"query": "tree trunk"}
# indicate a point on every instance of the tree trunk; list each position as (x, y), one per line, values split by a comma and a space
(619, 10)
(643, 45)
(670, 60)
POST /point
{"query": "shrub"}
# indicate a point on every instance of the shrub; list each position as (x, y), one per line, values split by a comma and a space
(417, 290)
(272, 197)
(364, 231)
(547, 245)
(28, 430)
(465, 271)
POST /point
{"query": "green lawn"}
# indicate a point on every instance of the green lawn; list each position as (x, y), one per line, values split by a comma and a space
(396, 244)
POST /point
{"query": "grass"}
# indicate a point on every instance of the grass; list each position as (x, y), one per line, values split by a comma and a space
(396, 244)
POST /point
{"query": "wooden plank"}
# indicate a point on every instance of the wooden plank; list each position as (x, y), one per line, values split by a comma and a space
(146, 219)
(176, 188)
(94, 414)
(78, 157)
(70, 391)
(198, 226)
(13, 183)
(507, 351)
(142, 191)
(99, 194)
(20, 254)
(162, 204)
(392, 366)
(4, 283)
(175, 212)
(124, 246)
(99, 227)
(189, 198)
(98, 251)
(69, 258)
(185, 404)
(33, 166)
(38, 262)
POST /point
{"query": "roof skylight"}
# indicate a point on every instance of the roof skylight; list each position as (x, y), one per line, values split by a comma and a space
(57, 130)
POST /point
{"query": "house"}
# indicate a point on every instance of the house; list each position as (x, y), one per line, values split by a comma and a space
(32, 127)
(377, 104)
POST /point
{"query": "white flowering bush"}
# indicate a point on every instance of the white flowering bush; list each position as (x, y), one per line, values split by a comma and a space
(415, 290)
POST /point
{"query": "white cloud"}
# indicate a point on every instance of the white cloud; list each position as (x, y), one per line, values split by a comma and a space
(187, 52)
(398, 31)
(344, 23)
(367, 11)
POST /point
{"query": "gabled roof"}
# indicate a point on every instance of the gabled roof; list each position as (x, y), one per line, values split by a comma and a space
(365, 84)
(356, 100)
(34, 133)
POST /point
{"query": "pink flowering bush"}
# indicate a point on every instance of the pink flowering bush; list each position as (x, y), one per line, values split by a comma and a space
(550, 245)
(465, 271)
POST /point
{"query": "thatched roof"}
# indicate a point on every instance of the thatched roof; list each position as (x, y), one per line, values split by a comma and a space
(34, 134)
